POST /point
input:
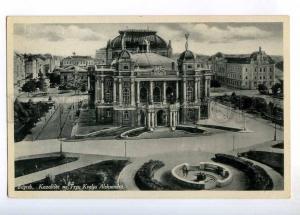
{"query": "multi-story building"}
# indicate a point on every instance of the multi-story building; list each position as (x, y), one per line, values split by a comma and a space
(137, 41)
(19, 71)
(51, 63)
(73, 76)
(149, 89)
(100, 56)
(244, 71)
(77, 60)
(34, 65)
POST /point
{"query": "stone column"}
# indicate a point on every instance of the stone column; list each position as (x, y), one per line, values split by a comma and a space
(151, 92)
(199, 89)
(88, 82)
(132, 92)
(164, 93)
(102, 90)
(196, 90)
(177, 91)
(184, 90)
(205, 87)
(97, 89)
(199, 113)
(120, 92)
(148, 119)
(153, 125)
(171, 120)
(115, 92)
(137, 92)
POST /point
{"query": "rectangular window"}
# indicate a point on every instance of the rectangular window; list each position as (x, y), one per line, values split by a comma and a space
(125, 115)
(108, 113)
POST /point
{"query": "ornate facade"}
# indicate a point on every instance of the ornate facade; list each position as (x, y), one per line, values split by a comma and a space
(147, 89)
(244, 71)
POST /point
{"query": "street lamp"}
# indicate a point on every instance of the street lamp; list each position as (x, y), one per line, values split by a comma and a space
(60, 129)
(125, 152)
(233, 144)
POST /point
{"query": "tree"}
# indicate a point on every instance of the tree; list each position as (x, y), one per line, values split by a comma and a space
(54, 78)
(260, 104)
(246, 102)
(29, 86)
(263, 89)
(215, 83)
(277, 89)
(234, 99)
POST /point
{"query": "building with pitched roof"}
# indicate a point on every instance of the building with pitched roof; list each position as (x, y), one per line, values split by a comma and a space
(244, 71)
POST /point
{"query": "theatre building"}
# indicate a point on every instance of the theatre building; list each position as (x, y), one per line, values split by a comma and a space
(148, 89)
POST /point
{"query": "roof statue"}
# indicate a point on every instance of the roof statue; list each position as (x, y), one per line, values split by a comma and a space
(187, 43)
(147, 45)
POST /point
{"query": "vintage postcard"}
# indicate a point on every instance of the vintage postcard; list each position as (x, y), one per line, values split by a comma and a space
(148, 107)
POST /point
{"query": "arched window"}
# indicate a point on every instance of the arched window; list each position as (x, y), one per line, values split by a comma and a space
(125, 115)
(190, 94)
(108, 89)
(143, 95)
(126, 96)
(156, 94)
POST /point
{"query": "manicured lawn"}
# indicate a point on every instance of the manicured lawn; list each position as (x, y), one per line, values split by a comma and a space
(103, 173)
(28, 166)
(271, 159)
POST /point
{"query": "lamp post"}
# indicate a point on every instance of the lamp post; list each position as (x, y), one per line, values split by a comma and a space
(233, 144)
(60, 129)
(275, 127)
(125, 149)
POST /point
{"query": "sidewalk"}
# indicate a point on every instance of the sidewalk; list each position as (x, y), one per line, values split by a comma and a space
(84, 160)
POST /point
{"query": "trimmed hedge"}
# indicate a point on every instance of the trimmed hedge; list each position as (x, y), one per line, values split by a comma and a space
(144, 176)
(271, 159)
(259, 179)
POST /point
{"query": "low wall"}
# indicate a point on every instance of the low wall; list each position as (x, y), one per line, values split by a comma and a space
(125, 134)
(206, 184)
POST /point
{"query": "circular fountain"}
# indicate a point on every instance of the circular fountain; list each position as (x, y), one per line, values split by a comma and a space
(205, 176)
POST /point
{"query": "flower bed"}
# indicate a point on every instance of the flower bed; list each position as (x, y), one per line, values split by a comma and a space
(272, 159)
(259, 179)
(144, 176)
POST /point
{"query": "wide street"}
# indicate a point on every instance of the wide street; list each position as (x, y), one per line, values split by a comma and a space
(220, 141)
(62, 116)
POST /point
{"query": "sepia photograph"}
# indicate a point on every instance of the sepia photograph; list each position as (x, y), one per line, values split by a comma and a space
(119, 106)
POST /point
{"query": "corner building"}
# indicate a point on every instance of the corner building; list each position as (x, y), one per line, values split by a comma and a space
(146, 89)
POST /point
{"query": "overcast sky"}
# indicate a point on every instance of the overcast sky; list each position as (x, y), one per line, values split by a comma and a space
(205, 38)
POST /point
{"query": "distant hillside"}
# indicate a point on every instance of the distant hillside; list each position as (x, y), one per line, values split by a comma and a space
(277, 58)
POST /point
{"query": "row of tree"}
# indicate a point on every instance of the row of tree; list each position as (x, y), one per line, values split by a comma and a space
(251, 104)
(26, 115)
(277, 89)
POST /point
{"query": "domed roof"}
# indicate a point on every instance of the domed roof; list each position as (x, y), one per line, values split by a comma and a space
(146, 60)
(134, 38)
(187, 55)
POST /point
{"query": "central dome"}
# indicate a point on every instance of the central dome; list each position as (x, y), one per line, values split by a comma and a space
(147, 60)
(136, 38)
